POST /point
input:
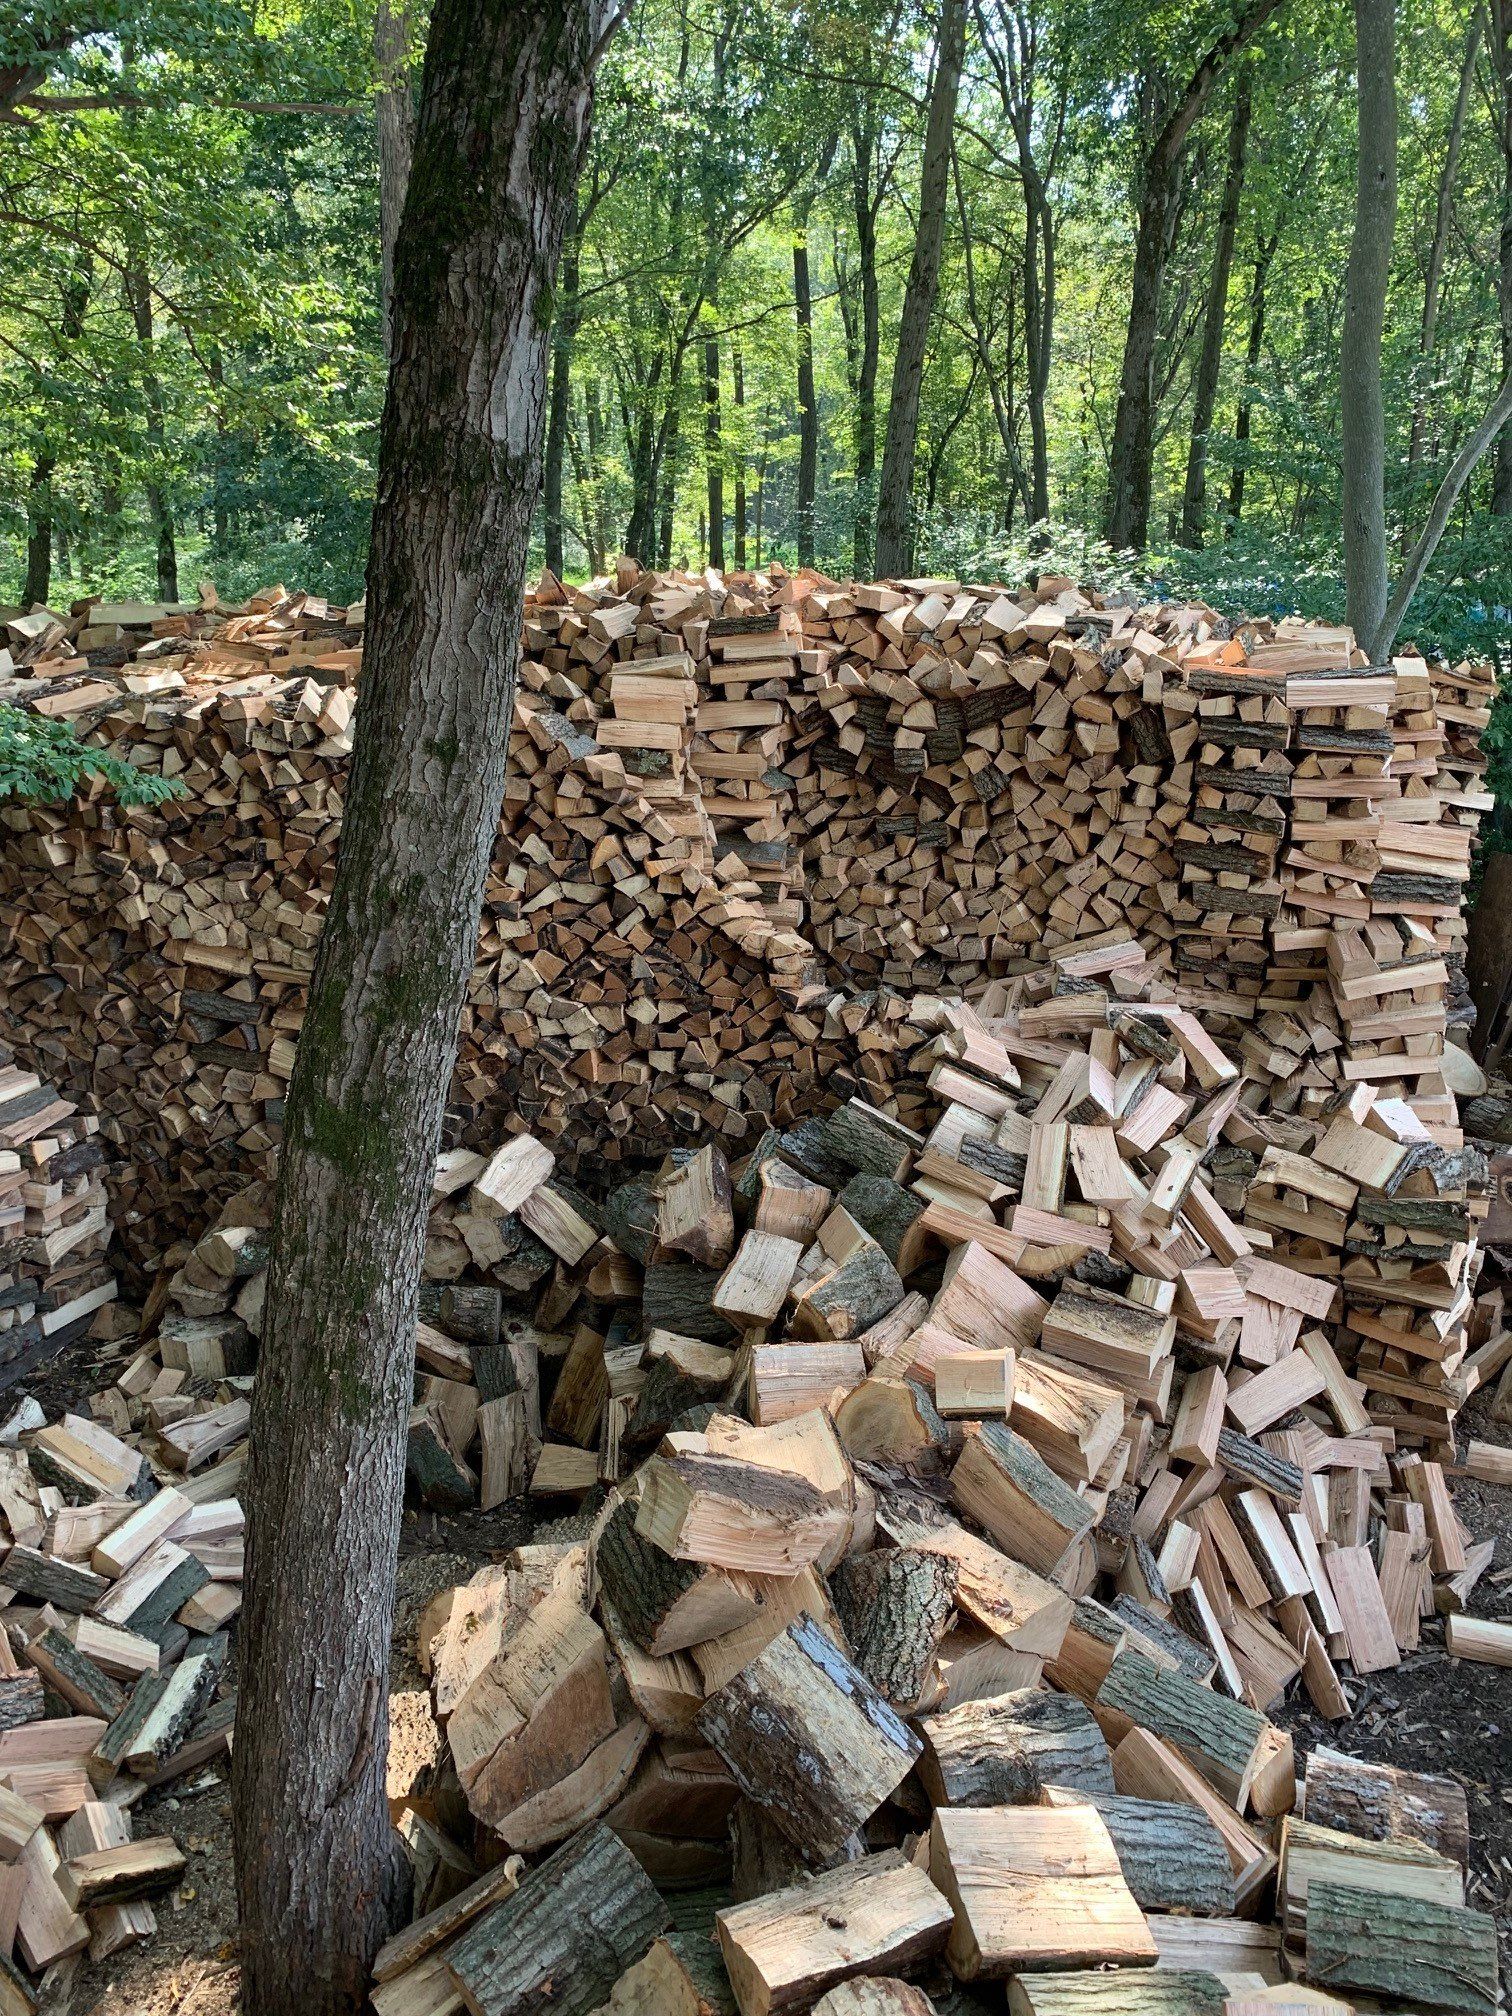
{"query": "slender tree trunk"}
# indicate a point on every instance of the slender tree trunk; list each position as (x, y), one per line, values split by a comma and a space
(1361, 407)
(1501, 50)
(159, 507)
(564, 335)
(1130, 457)
(1132, 453)
(39, 531)
(394, 107)
(868, 351)
(503, 117)
(895, 494)
(667, 467)
(1039, 323)
(1210, 361)
(1264, 252)
(737, 369)
(640, 532)
(808, 405)
(713, 451)
(1433, 279)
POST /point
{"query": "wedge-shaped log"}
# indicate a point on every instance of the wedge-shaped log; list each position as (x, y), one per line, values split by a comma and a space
(849, 1297)
(1034, 1888)
(565, 1937)
(1007, 1486)
(667, 1605)
(754, 1286)
(1228, 1742)
(1172, 1856)
(1005, 1750)
(872, 1916)
(534, 1712)
(117, 1875)
(808, 1737)
(1071, 1416)
(1401, 1949)
(983, 1302)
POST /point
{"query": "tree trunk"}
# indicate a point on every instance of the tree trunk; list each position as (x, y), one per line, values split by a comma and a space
(1127, 516)
(39, 531)
(895, 495)
(1209, 363)
(1433, 278)
(667, 468)
(504, 113)
(1265, 249)
(160, 509)
(1361, 407)
(808, 411)
(865, 502)
(1501, 51)
(394, 107)
(640, 532)
(1039, 322)
(713, 451)
(1132, 452)
(564, 335)
(737, 369)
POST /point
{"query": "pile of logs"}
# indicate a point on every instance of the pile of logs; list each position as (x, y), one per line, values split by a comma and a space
(54, 1225)
(745, 820)
(121, 1573)
(956, 1506)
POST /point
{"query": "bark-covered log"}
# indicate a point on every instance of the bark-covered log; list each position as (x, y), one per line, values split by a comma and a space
(1245, 1458)
(890, 1214)
(465, 1311)
(666, 1605)
(1120, 1991)
(1224, 1739)
(1006, 1750)
(1381, 1803)
(565, 1937)
(680, 1298)
(808, 1737)
(1401, 1949)
(1172, 1856)
(502, 126)
(896, 1605)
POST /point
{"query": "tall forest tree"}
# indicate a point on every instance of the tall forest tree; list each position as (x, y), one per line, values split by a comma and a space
(1170, 109)
(895, 527)
(504, 111)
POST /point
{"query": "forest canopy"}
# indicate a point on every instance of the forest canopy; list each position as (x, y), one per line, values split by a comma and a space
(192, 332)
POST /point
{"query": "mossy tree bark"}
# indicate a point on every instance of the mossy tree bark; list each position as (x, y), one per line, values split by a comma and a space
(503, 118)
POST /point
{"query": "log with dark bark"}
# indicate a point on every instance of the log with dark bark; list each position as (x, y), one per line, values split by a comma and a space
(1172, 1856)
(896, 1606)
(502, 125)
(1004, 1751)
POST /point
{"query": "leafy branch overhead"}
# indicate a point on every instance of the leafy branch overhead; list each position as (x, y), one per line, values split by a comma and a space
(45, 762)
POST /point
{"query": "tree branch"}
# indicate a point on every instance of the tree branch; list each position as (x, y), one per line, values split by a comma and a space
(1379, 648)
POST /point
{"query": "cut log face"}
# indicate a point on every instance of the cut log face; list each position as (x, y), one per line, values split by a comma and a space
(1004, 1484)
(1034, 1888)
(1172, 1856)
(872, 1916)
(808, 1737)
(665, 1604)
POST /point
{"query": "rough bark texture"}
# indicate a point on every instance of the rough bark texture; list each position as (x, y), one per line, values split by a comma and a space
(737, 374)
(1172, 1856)
(1362, 413)
(895, 495)
(503, 118)
(1131, 454)
(1006, 1750)
(394, 108)
(1209, 362)
(896, 1606)
(866, 197)
(714, 450)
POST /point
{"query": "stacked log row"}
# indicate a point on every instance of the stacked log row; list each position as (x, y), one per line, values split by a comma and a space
(54, 1222)
(745, 821)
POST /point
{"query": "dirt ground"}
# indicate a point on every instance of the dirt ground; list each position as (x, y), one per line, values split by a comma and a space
(1430, 1714)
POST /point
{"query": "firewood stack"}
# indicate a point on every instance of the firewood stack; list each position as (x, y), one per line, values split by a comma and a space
(956, 1505)
(54, 1225)
(746, 821)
